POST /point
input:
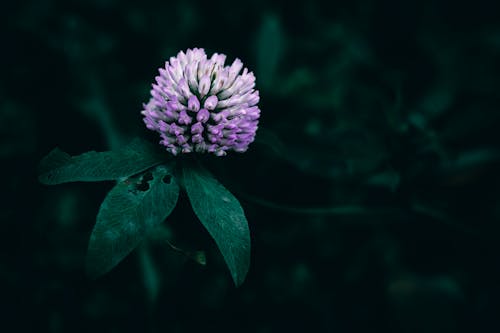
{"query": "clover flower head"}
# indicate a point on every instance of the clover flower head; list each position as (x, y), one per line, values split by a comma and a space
(199, 105)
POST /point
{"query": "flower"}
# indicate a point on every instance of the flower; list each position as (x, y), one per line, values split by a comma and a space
(199, 105)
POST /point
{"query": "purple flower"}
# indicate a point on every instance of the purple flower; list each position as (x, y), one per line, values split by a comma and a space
(199, 105)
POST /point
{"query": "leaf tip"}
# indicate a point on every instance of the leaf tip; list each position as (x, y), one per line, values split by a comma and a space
(49, 163)
(238, 279)
(240, 273)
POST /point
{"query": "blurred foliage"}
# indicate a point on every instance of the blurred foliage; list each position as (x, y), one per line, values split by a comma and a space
(372, 191)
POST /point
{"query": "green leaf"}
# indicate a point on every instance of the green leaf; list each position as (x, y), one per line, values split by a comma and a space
(59, 167)
(133, 208)
(221, 214)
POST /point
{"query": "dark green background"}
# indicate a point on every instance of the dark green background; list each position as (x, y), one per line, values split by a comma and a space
(372, 191)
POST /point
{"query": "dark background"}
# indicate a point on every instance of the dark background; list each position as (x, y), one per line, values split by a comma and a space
(372, 191)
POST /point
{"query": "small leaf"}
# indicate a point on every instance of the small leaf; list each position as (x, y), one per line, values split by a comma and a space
(221, 214)
(129, 211)
(197, 256)
(59, 167)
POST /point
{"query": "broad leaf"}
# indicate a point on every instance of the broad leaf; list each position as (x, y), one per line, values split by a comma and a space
(132, 208)
(221, 214)
(58, 167)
